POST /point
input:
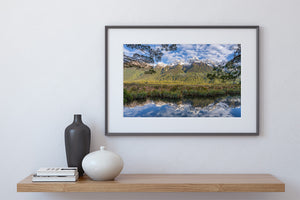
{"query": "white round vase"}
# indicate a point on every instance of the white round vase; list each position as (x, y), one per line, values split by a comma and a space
(102, 165)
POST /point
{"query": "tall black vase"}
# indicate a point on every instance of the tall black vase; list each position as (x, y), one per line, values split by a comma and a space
(77, 142)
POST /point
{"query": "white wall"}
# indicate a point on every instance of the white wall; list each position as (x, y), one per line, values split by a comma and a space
(52, 66)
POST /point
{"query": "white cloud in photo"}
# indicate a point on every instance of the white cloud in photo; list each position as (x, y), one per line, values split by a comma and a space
(216, 53)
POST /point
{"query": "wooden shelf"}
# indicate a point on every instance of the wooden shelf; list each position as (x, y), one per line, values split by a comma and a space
(162, 183)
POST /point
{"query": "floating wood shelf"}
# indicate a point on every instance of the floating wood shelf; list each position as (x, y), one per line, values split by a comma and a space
(162, 183)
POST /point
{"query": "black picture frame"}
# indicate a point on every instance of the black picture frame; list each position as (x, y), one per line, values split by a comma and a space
(109, 133)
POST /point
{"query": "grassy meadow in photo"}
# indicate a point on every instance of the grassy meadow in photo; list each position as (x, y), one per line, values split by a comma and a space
(182, 80)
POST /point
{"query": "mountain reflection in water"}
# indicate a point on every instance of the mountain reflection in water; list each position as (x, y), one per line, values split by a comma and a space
(221, 107)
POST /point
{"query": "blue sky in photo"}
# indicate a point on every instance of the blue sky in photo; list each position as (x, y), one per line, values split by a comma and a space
(191, 52)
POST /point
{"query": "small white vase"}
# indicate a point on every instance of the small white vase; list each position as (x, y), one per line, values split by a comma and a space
(102, 165)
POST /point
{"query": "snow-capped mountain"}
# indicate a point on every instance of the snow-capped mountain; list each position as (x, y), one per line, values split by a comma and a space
(191, 61)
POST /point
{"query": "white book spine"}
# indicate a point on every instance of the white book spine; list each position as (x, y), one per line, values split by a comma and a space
(57, 171)
(36, 178)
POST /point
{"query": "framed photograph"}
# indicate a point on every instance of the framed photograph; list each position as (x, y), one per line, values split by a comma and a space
(181, 80)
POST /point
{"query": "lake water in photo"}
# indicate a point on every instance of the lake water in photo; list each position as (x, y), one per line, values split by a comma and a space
(228, 106)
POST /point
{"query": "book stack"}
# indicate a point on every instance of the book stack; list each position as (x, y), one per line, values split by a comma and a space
(59, 174)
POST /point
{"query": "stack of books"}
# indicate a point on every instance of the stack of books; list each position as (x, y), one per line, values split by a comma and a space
(59, 174)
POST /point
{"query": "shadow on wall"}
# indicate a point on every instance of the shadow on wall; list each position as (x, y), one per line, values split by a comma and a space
(168, 196)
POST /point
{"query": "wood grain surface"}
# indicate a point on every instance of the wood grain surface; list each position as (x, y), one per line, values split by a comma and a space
(162, 183)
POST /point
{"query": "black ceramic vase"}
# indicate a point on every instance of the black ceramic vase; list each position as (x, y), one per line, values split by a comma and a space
(77, 142)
